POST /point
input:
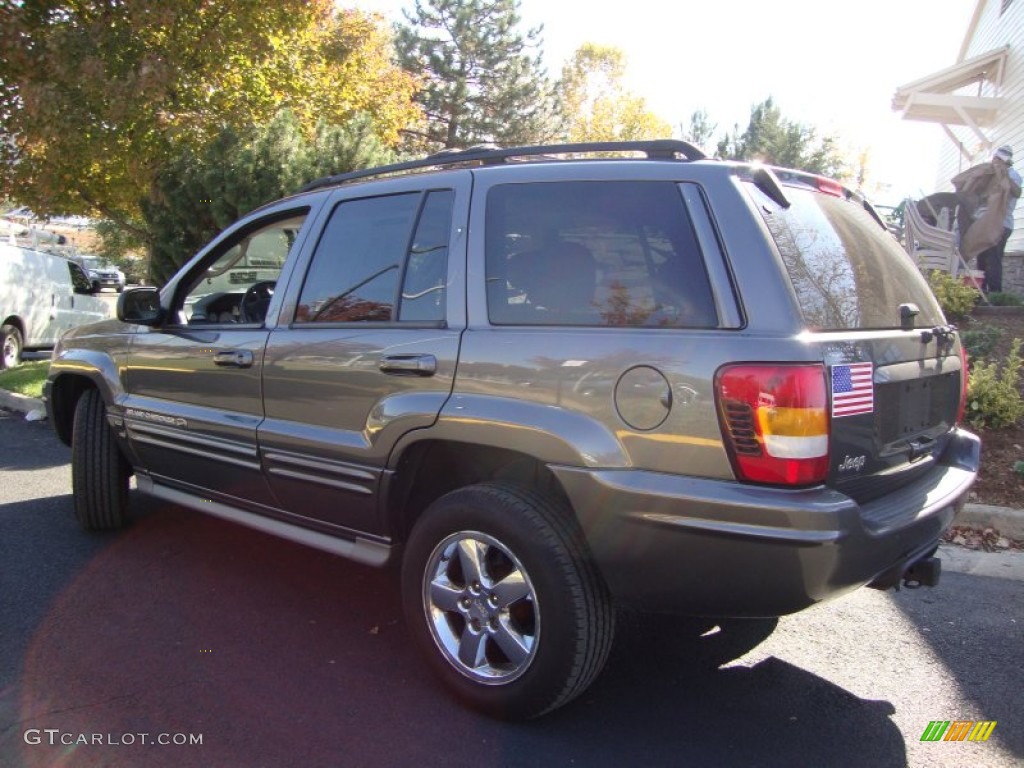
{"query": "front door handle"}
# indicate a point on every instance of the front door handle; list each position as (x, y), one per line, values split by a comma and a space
(416, 365)
(234, 358)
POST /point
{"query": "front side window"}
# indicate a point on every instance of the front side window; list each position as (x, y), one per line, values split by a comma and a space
(609, 253)
(238, 285)
(372, 246)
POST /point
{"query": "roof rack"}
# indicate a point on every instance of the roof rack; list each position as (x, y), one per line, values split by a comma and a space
(658, 149)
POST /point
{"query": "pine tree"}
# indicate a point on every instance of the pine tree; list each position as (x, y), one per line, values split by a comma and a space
(481, 81)
(771, 138)
(200, 192)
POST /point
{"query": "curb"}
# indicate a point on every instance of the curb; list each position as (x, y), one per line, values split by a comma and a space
(1008, 521)
(12, 401)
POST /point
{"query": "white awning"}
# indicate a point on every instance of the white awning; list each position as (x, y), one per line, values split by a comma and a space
(935, 98)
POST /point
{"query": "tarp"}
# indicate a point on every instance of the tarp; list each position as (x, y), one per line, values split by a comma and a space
(983, 191)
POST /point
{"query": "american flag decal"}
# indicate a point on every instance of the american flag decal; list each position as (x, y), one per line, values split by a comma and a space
(853, 389)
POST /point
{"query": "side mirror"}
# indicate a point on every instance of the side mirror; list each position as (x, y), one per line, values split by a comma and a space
(140, 306)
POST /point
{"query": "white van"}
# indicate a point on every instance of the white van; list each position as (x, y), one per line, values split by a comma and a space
(41, 297)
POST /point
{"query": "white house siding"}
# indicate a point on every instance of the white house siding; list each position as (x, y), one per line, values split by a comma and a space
(993, 31)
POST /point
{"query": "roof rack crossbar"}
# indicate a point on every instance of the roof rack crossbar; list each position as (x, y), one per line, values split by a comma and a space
(657, 149)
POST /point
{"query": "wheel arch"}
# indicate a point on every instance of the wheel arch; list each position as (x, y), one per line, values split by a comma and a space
(70, 376)
(428, 469)
(17, 322)
(65, 391)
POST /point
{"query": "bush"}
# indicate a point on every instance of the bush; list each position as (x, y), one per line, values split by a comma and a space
(993, 395)
(957, 300)
(1001, 299)
(979, 342)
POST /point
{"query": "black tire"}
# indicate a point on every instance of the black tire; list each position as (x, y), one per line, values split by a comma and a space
(99, 472)
(560, 627)
(11, 346)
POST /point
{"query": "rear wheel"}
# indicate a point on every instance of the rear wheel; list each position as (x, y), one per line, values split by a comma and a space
(501, 596)
(99, 472)
(11, 345)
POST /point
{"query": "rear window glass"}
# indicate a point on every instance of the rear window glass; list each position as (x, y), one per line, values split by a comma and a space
(594, 254)
(846, 270)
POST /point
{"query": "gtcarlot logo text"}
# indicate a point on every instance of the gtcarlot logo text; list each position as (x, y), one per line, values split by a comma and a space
(54, 737)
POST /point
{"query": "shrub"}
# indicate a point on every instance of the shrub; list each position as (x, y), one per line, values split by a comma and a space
(980, 341)
(1002, 299)
(993, 395)
(956, 299)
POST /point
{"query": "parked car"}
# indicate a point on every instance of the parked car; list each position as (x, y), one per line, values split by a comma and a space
(547, 389)
(41, 297)
(102, 274)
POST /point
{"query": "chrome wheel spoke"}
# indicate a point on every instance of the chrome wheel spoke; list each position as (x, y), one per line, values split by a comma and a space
(471, 648)
(510, 589)
(471, 554)
(444, 596)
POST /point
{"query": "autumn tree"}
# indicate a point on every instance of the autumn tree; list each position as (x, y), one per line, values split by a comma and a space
(771, 138)
(98, 96)
(482, 80)
(596, 105)
(200, 192)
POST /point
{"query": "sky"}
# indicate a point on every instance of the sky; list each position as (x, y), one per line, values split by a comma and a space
(831, 65)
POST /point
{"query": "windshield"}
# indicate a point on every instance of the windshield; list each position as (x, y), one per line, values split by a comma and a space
(847, 272)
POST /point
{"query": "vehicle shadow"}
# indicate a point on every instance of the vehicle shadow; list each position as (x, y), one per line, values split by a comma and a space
(280, 655)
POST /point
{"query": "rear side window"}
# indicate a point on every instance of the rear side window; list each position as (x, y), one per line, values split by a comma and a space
(372, 246)
(607, 253)
(847, 272)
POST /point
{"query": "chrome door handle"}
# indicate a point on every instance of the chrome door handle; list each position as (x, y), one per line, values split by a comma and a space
(234, 358)
(416, 365)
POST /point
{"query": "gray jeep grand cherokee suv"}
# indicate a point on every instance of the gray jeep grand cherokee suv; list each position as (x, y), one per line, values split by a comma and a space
(547, 387)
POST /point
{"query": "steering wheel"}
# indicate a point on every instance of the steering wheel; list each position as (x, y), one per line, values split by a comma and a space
(256, 301)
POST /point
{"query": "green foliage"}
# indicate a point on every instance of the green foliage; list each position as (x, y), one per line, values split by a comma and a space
(993, 394)
(701, 130)
(480, 81)
(26, 379)
(200, 193)
(770, 138)
(1018, 467)
(1002, 299)
(980, 341)
(956, 299)
(97, 97)
(595, 104)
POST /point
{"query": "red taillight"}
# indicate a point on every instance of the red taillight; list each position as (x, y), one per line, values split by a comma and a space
(830, 187)
(963, 384)
(775, 421)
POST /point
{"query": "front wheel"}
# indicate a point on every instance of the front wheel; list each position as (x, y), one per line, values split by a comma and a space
(501, 596)
(99, 472)
(12, 344)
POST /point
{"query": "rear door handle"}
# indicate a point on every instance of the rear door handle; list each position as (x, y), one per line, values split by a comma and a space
(416, 365)
(234, 358)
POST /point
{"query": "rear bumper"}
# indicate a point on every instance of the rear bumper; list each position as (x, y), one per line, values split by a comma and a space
(716, 548)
